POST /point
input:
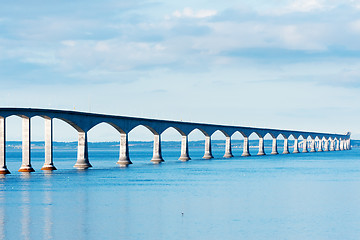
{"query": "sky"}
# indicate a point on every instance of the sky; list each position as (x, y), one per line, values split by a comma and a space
(287, 64)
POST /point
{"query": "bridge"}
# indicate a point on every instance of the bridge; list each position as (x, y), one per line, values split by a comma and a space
(83, 122)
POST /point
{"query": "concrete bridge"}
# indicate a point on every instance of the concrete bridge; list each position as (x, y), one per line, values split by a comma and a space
(83, 122)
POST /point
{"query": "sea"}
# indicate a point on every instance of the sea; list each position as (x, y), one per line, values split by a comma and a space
(286, 196)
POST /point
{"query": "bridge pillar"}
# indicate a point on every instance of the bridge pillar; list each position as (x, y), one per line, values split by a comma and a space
(341, 144)
(246, 147)
(3, 168)
(82, 154)
(228, 152)
(261, 146)
(124, 159)
(184, 149)
(26, 161)
(337, 145)
(326, 145)
(332, 145)
(312, 145)
(48, 165)
(286, 146)
(349, 144)
(207, 154)
(296, 146)
(320, 146)
(304, 146)
(274, 146)
(157, 157)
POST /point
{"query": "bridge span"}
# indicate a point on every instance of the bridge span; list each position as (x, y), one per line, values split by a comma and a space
(83, 122)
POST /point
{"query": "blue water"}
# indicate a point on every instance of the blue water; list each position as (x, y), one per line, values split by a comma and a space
(295, 196)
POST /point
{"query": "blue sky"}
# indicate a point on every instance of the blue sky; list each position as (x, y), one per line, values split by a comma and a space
(278, 64)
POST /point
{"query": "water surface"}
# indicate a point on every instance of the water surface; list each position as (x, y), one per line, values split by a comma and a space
(294, 196)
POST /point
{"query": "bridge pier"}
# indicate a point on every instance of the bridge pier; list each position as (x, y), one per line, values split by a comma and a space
(82, 154)
(332, 145)
(337, 145)
(326, 145)
(246, 152)
(48, 165)
(26, 159)
(228, 152)
(3, 168)
(184, 149)
(349, 144)
(312, 145)
(286, 146)
(208, 153)
(274, 146)
(261, 146)
(304, 146)
(320, 146)
(296, 146)
(157, 157)
(341, 144)
(124, 159)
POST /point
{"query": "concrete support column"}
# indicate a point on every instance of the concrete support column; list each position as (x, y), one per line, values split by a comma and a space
(349, 144)
(82, 154)
(208, 154)
(26, 161)
(48, 165)
(184, 149)
(304, 146)
(332, 145)
(261, 146)
(274, 146)
(157, 156)
(124, 159)
(312, 145)
(3, 168)
(246, 147)
(286, 146)
(337, 145)
(228, 152)
(326, 145)
(341, 144)
(320, 146)
(296, 146)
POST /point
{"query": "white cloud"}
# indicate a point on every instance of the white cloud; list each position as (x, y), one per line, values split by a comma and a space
(306, 5)
(68, 43)
(355, 26)
(190, 13)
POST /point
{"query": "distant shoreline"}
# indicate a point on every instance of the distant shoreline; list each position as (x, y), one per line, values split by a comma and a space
(148, 144)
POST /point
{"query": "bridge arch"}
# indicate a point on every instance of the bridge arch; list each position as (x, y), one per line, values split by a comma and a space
(237, 143)
(113, 125)
(197, 142)
(146, 126)
(172, 138)
(140, 137)
(175, 128)
(219, 135)
(201, 130)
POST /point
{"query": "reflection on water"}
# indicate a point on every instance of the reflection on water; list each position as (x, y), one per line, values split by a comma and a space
(295, 196)
(25, 197)
(48, 224)
(84, 214)
(2, 214)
